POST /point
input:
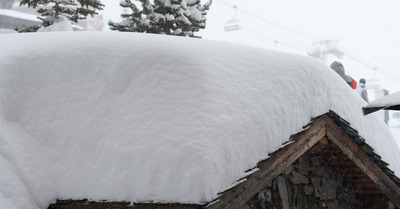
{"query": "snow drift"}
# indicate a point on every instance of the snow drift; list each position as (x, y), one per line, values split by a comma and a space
(138, 117)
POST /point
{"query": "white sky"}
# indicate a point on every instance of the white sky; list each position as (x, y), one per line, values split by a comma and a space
(366, 29)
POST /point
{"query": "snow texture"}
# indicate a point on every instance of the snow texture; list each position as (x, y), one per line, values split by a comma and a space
(59, 24)
(4, 31)
(139, 117)
(390, 100)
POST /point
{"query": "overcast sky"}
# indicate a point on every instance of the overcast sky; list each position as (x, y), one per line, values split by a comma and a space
(367, 31)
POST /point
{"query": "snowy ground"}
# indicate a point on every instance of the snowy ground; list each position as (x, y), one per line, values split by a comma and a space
(137, 117)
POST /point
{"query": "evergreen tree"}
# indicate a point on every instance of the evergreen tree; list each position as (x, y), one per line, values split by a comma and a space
(197, 14)
(170, 17)
(51, 10)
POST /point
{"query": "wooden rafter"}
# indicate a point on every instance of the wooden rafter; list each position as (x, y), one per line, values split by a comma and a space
(271, 168)
(86, 204)
(319, 131)
(368, 110)
(357, 155)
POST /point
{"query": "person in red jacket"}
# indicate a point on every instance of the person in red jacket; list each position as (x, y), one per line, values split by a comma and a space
(339, 69)
(353, 83)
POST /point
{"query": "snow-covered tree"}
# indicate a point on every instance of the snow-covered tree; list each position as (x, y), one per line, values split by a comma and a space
(51, 10)
(171, 17)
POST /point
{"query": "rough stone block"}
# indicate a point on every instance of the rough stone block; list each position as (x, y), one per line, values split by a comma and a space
(297, 178)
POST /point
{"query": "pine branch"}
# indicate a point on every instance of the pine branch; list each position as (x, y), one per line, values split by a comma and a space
(175, 17)
(53, 9)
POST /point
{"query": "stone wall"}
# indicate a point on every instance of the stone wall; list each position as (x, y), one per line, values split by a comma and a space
(309, 183)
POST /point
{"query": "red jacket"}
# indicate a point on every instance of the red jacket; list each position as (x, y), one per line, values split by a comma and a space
(353, 83)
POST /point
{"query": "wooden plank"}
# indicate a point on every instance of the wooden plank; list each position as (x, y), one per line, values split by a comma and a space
(100, 206)
(271, 168)
(368, 110)
(319, 146)
(85, 204)
(355, 153)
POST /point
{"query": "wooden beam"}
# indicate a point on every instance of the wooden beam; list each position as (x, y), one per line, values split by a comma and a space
(319, 146)
(368, 110)
(357, 155)
(271, 168)
(85, 204)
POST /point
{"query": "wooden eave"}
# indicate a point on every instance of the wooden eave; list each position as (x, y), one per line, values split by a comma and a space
(368, 110)
(87, 204)
(327, 135)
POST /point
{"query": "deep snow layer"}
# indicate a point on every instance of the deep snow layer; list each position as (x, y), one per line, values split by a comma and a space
(137, 117)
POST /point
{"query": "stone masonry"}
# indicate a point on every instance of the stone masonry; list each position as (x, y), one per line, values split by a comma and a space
(309, 183)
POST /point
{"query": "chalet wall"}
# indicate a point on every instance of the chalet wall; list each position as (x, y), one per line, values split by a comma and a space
(309, 183)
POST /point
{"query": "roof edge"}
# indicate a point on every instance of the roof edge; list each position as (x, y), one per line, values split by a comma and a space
(329, 125)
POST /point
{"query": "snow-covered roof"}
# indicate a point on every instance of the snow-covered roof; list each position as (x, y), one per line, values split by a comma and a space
(19, 15)
(4, 31)
(391, 101)
(139, 117)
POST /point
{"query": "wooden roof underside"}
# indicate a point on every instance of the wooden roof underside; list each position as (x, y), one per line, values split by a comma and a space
(369, 110)
(327, 135)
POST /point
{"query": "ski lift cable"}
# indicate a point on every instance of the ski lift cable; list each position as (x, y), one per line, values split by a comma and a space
(369, 65)
(358, 59)
(287, 28)
(259, 34)
(262, 35)
(388, 74)
(281, 43)
(382, 71)
(311, 38)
